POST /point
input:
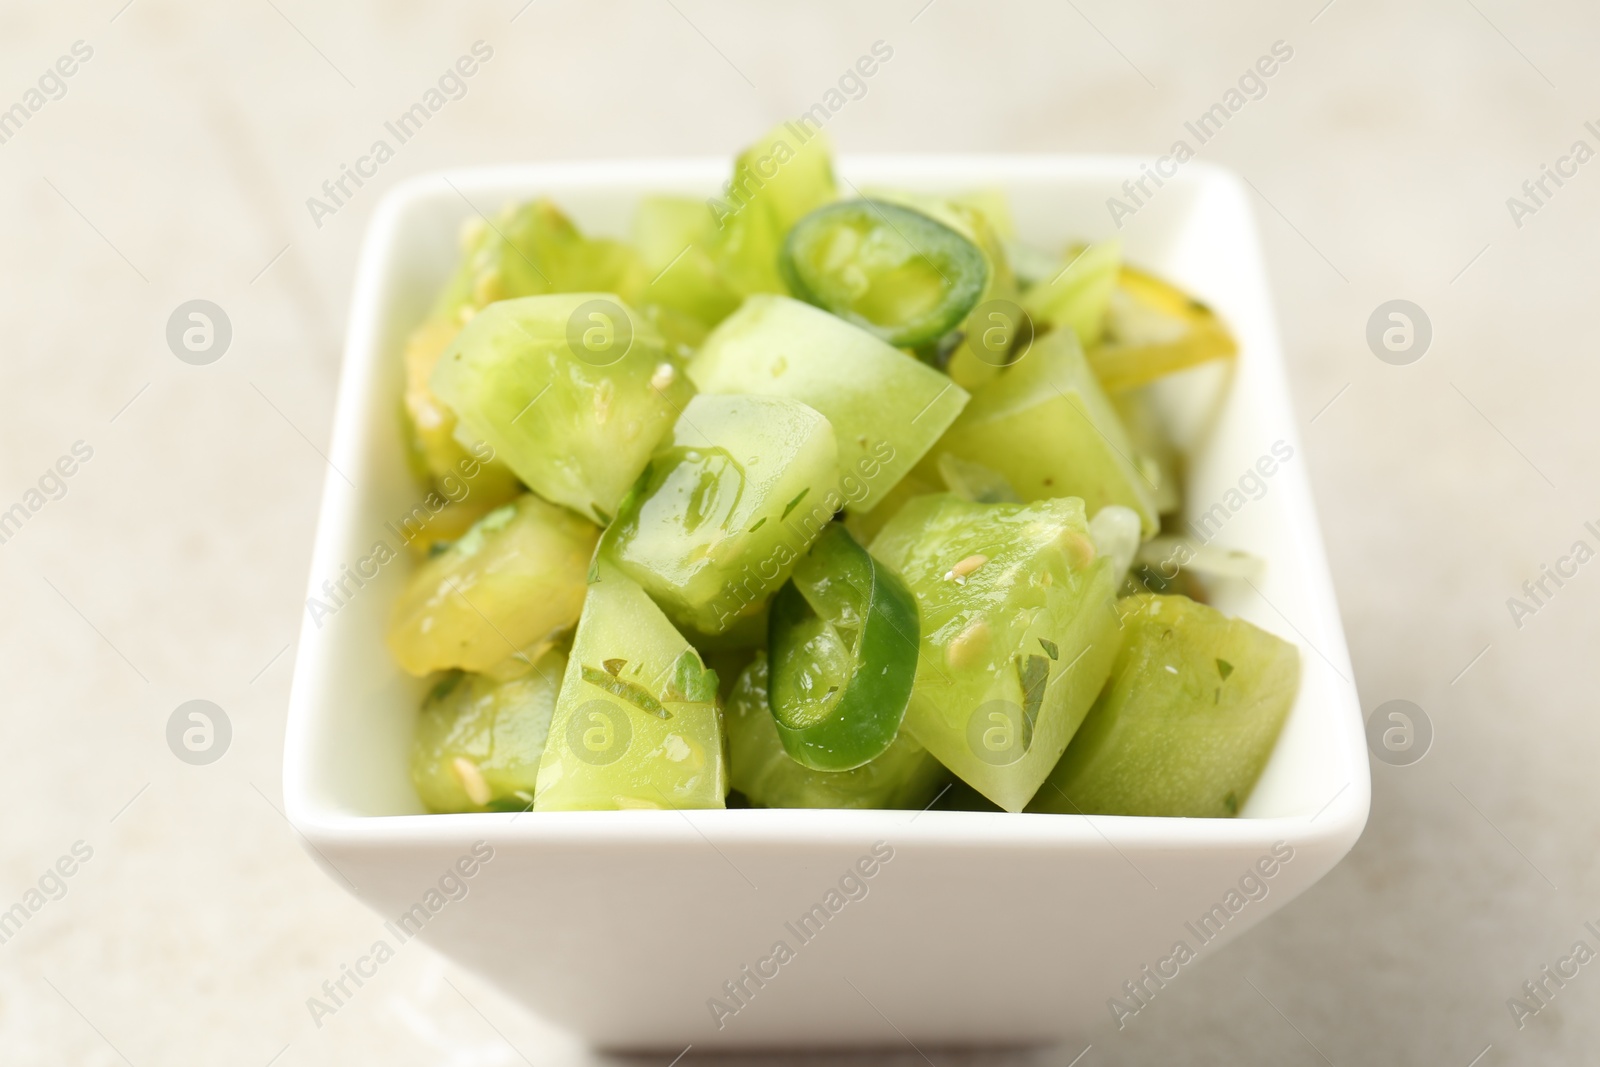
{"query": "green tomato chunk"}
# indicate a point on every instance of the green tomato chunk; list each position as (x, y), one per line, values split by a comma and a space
(637, 724)
(728, 504)
(1019, 632)
(1193, 710)
(572, 391)
(886, 408)
(904, 776)
(499, 595)
(1046, 427)
(1077, 293)
(776, 182)
(528, 249)
(479, 741)
(673, 234)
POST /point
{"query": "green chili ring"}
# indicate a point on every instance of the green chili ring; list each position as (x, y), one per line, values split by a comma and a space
(889, 269)
(842, 641)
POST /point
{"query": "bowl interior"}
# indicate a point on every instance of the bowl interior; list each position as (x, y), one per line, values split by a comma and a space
(353, 710)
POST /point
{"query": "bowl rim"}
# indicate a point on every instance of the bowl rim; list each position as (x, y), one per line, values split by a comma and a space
(1338, 824)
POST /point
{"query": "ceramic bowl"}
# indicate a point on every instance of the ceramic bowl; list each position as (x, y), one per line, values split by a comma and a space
(658, 929)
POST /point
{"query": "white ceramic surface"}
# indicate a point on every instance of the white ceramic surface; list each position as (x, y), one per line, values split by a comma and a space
(982, 928)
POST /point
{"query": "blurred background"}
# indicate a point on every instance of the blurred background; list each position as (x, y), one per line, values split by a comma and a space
(174, 164)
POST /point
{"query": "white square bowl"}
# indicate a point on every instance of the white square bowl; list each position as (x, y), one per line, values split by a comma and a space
(627, 927)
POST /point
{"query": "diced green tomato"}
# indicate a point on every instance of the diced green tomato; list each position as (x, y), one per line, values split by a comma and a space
(996, 331)
(905, 776)
(507, 588)
(995, 208)
(958, 351)
(479, 741)
(1193, 710)
(1048, 429)
(430, 426)
(843, 641)
(529, 249)
(776, 182)
(430, 423)
(472, 482)
(636, 725)
(727, 505)
(895, 272)
(1154, 329)
(1018, 633)
(886, 408)
(681, 333)
(673, 235)
(1077, 294)
(572, 390)
(663, 226)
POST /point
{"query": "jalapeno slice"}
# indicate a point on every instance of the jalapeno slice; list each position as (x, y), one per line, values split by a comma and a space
(842, 637)
(897, 272)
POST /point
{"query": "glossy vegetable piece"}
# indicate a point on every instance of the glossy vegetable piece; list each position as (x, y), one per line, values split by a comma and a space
(506, 589)
(1194, 707)
(1046, 427)
(1077, 295)
(995, 208)
(479, 741)
(1154, 329)
(728, 504)
(843, 641)
(525, 250)
(886, 409)
(896, 272)
(572, 391)
(903, 776)
(1018, 633)
(529, 249)
(673, 235)
(636, 725)
(776, 182)
(430, 427)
